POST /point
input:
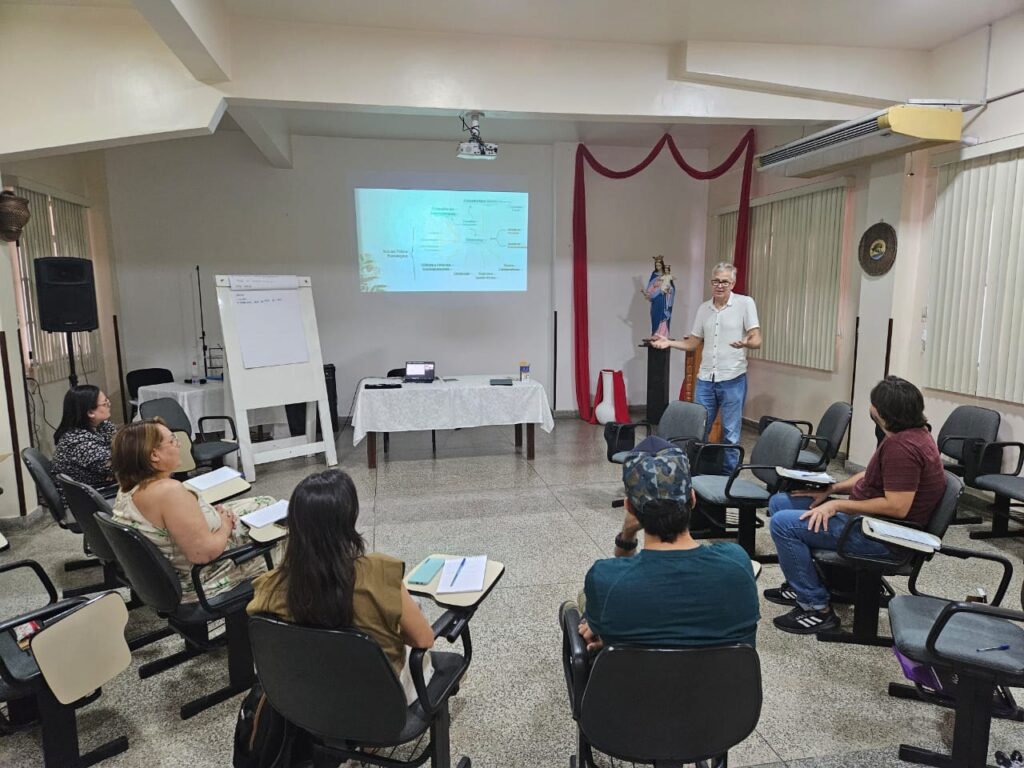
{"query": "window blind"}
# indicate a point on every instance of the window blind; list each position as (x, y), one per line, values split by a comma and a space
(793, 274)
(56, 228)
(975, 312)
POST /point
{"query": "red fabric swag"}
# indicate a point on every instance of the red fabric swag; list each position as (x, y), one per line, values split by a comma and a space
(581, 319)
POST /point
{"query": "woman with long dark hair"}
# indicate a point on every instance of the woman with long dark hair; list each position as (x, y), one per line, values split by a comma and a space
(327, 579)
(82, 442)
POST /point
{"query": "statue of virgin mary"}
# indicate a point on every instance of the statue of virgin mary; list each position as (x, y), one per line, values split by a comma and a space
(660, 292)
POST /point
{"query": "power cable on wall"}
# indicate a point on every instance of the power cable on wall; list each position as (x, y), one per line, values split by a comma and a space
(35, 390)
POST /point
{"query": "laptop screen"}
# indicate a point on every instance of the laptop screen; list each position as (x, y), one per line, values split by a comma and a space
(421, 371)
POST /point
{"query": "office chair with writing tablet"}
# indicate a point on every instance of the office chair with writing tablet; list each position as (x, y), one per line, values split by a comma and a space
(663, 706)
(80, 647)
(300, 669)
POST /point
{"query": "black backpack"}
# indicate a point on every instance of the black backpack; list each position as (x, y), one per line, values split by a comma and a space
(263, 738)
(619, 437)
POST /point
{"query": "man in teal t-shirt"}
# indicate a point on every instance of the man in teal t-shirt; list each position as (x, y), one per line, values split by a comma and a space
(675, 592)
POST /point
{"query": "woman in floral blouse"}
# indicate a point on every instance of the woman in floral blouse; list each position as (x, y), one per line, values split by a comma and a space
(84, 437)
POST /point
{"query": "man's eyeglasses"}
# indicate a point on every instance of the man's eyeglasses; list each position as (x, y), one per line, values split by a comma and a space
(721, 283)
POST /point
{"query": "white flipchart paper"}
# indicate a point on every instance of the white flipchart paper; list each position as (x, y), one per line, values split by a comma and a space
(270, 330)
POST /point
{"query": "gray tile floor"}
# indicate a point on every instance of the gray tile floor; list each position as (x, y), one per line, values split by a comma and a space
(825, 706)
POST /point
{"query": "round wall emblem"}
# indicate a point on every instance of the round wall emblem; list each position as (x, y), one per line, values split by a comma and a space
(877, 250)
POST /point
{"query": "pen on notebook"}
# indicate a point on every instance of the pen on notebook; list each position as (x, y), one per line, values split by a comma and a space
(457, 572)
(1003, 647)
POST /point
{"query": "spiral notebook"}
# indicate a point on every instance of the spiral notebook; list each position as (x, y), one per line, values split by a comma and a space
(462, 574)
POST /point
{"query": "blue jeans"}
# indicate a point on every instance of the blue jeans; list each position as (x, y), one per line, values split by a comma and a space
(794, 543)
(727, 396)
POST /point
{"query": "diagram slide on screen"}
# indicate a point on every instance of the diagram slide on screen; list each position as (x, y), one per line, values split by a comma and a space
(441, 240)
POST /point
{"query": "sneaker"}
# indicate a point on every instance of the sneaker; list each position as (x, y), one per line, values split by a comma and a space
(783, 595)
(803, 622)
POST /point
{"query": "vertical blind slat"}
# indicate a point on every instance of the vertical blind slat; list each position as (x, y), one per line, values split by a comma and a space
(69, 237)
(793, 274)
(975, 312)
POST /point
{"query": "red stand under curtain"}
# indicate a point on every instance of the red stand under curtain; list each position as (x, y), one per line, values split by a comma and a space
(581, 319)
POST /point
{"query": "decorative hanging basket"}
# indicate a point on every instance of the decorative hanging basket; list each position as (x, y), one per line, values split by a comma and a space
(13, 215)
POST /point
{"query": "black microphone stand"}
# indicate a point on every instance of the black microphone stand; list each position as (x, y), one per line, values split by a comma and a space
(202, 326)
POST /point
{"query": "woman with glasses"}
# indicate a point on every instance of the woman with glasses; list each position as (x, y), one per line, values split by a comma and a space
(83, 439)
(186, 529)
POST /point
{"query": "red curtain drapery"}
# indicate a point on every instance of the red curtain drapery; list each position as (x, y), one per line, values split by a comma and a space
(581, 319)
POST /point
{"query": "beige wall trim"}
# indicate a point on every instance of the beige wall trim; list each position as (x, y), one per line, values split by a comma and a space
(806, 189)
(45, 189)
(979, 150)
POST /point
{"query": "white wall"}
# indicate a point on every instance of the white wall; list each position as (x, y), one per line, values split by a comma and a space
(629, 221)
(11, 467)
(215, 202)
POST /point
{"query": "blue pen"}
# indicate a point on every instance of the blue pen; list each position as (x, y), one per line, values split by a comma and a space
(1003, 647)
(459, 570)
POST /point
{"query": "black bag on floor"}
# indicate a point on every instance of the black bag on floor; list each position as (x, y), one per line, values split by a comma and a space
(619, 437)
(263, 738)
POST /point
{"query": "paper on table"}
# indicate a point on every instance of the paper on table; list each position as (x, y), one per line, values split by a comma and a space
(900, 535)
(206, 481)
(462, 574)
(276, 511)
(822, 478)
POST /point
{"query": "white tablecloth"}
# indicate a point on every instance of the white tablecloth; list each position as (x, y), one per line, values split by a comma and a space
(468, 401)
(199, 400)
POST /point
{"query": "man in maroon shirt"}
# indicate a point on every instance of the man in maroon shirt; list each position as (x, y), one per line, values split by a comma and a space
(904, 480)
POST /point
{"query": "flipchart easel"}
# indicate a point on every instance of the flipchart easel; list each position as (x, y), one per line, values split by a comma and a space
(295, 375)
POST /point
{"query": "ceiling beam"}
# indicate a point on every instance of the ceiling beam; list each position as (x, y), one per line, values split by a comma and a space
(845, 75)
(268, 130)
(197, 33)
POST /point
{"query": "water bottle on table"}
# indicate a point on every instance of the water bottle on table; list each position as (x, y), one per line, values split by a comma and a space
(524, 370)
(195, 373)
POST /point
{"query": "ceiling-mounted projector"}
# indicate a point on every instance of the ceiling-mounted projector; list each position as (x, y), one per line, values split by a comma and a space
(476, 148)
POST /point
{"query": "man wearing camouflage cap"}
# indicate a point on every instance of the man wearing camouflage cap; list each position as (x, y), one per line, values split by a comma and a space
(674, 591)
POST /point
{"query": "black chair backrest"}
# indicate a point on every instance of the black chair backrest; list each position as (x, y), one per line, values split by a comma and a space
(575, 657)
(335, 683)
(683, 419)
(833, 425)
(41, 470)
(778, 446)
(84, 503)
(170, 410)
(678, 704)
(143, 377)
(151, 575)
(397, 372)
(945, 512)
(967, 421)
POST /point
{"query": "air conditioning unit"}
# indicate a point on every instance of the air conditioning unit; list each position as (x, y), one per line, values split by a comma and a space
(892, 131)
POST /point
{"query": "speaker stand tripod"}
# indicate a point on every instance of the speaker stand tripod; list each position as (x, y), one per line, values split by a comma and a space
(72, 376)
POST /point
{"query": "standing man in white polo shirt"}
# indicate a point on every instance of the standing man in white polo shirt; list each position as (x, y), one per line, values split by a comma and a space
(728, 326)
